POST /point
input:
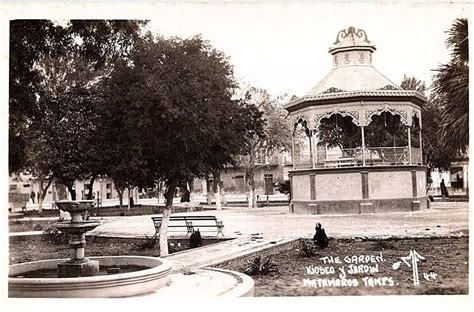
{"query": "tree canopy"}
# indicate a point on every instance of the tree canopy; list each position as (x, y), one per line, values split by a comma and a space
(451, 85)
(171, 117)
(35, 44)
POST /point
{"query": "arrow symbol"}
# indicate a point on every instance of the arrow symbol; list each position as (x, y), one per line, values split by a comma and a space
(412, 262)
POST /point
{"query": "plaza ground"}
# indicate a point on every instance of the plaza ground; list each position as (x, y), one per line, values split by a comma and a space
(264, 227)
(261, 230)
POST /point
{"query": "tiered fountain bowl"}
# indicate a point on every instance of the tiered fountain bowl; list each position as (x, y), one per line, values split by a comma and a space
(110, 276)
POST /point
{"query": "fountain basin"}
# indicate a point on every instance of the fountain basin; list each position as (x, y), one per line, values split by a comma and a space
(77, 228)
(154, 276)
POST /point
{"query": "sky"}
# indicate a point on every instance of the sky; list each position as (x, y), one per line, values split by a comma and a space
(283, 47)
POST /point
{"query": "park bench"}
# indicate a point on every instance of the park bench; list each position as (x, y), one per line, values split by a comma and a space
(190, 223)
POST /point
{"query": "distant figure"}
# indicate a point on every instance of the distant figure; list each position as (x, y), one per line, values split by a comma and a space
(186, 197)
(444, 190)
(320, 238)
(32, 196)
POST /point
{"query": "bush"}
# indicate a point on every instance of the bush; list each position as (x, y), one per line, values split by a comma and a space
(305, 248)
(257, 266)
(37, 227)
(149, 242)
(55, 235)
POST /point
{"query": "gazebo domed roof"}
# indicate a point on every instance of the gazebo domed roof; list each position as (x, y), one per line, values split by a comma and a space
(352, 66)
(352, 78)
(355, 88)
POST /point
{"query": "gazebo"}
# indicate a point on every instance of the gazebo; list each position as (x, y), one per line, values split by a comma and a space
(360, 179)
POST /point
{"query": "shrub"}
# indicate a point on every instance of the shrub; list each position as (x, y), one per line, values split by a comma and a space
(257, 266)
(305, 248)
(37, 227)
(148, 243)
(55, 235)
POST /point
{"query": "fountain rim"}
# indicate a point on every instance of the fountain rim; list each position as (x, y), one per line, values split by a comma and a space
(163, 267)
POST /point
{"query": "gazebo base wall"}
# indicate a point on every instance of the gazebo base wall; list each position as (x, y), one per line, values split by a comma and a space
(359, 206)
(355, 190)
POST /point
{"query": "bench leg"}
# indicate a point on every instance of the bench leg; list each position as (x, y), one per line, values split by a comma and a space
(189, 230)
(219, 230)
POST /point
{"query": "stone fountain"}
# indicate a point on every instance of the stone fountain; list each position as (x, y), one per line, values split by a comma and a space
(78, 265)
(81, 277)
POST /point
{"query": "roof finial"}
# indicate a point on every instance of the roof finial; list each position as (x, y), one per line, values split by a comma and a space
(351, 30)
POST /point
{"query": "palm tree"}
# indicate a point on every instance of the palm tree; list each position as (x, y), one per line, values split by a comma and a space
(451, 84)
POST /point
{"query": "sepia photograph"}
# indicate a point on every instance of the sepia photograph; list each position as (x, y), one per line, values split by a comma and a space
(237, 149)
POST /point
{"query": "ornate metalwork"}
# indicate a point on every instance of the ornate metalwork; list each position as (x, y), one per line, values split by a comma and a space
(402, 113)
(332, 90)
(351, 30)
(303, 121)
(344, 113)
(389, 87)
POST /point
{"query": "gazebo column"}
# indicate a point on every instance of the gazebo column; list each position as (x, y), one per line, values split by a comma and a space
(421, 148)
(315, 148)
(313, 145)
(363, 145)
(293, 160)
(310, 133)
(409, 144)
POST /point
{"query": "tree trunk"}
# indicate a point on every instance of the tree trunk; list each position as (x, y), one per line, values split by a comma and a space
(120, 195)
(128, 206)
(40, 202)
(169, 194)
(217, 189)
(208, 194)
(91, 184)
(251, 182)
(71, 191)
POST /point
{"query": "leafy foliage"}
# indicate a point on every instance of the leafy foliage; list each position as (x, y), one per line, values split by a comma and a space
(411, 83)
(451, 85)
(50, 77)
(260, 266)
(171, 116)
(56, 236)
(305, 248)
(284, 187)
(274, 136)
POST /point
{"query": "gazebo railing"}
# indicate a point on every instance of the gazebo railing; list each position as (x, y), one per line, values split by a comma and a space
(352, 157)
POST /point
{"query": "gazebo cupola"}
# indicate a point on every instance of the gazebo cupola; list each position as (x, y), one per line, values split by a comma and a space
(354, 88)
(352, 48)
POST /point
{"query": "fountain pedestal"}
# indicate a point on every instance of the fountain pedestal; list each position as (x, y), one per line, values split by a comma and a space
(78, 265)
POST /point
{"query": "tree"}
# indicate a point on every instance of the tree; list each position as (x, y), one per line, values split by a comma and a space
(276, 135)
(122, 128)
(435, 154)
(411, 83)
(179, 94)
(36, 48)
(451, 85)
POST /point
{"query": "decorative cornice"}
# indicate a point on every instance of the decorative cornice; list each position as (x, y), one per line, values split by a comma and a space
(350, 94)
